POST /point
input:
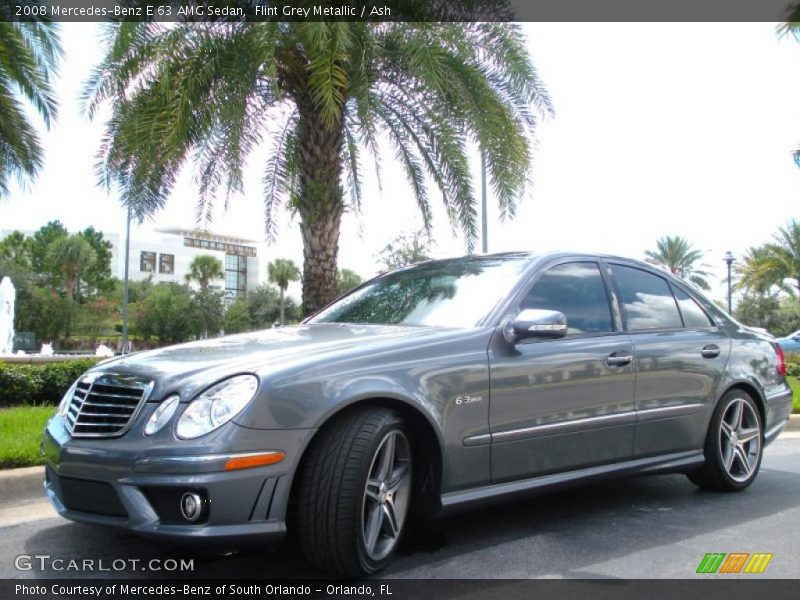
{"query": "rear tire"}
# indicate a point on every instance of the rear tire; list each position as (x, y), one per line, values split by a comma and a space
(354, 492)
(734, 445)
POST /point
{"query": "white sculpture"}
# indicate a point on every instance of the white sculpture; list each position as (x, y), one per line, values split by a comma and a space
(8, 296)
(104, 351)
(47, 349)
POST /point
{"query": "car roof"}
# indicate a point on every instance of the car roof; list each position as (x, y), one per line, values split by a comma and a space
(539, 256)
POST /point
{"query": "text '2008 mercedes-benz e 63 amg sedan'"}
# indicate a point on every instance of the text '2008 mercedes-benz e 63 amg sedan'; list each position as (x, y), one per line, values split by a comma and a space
(444, 385)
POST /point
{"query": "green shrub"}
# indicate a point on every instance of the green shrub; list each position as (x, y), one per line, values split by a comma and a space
(43, 384)
(792, 360)
(793, 369)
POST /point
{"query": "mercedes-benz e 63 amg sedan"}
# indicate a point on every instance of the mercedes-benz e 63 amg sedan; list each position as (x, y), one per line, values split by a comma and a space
(436, 387)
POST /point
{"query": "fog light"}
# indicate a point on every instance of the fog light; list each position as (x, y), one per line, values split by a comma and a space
(191, 506)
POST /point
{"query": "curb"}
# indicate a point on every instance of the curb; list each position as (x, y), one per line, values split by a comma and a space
(793, 424)
(21, 485)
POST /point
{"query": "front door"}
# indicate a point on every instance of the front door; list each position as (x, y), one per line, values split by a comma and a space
(567, 403)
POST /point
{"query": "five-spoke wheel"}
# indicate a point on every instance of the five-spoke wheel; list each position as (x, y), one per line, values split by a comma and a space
(386, 495)
(355, 489)
(733, 446)
(740, 439)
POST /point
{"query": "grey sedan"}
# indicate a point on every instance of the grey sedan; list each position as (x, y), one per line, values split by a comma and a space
(435, 388)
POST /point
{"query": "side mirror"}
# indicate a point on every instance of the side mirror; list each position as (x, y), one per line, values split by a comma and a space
(535, 323)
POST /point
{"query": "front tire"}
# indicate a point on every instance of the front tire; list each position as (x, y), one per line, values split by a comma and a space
(734, 445)
(354, 492)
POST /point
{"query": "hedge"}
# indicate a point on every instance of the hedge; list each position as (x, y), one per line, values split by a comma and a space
(43, 384)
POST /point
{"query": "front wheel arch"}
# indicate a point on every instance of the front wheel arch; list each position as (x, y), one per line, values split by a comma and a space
(428, 469)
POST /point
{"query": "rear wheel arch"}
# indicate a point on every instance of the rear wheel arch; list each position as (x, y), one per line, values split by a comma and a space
(753, 392)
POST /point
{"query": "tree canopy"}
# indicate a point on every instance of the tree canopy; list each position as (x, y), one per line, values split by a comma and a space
(324, 94)
(204, 269)
(29, 56)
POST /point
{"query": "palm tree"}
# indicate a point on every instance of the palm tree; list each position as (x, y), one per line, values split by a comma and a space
(71, 257)
(326, 93)
(775, 263)
(204, 269)
(757, 272)
(281, 271)
(29, 56)
(676, 255)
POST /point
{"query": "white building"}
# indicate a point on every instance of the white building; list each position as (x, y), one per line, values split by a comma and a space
(165, 255)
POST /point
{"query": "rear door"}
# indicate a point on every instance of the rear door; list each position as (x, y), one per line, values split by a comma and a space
(566, 403)
(680, 359)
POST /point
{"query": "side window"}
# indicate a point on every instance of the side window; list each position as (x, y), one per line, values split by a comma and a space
(693, 315)
(577, 290)
(647, 299)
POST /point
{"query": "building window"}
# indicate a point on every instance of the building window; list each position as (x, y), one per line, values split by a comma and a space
(166, 264)
(220, 246)
(147, 262)
(235, 275)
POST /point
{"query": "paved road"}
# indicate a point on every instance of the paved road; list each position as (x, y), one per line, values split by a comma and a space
(639, 528)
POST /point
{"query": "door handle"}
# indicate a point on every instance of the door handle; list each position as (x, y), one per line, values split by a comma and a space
(619, 360)
(710, 351)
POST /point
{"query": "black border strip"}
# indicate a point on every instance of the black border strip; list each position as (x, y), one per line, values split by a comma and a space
(399, 10)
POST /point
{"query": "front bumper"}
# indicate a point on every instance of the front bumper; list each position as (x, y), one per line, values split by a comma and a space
(136, 482)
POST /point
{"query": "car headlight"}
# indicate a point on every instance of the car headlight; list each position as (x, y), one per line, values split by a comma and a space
(162, 414)
(216, 406)
(64, 404)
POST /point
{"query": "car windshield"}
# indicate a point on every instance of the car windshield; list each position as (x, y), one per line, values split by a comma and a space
(450, 293)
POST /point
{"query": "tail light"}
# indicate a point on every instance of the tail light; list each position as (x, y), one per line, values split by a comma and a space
(781, 360)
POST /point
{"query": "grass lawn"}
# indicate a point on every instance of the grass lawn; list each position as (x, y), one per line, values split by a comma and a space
(21, 430)
(794, 383)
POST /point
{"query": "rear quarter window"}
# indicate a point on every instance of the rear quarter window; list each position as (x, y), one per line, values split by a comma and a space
(694, 316)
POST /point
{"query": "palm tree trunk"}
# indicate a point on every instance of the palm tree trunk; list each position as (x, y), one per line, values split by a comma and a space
(319, 203)
(283, 320)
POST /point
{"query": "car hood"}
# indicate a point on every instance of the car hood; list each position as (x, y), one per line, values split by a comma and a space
(195, 365)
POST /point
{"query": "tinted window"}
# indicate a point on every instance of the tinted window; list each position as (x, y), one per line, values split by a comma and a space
(693, 315)
(648, 301)
(451, 293)
(577, 290)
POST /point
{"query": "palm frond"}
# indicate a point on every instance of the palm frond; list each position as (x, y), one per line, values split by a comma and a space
(280, 172)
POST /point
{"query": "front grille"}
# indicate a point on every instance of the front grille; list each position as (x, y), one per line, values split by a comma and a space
(88, 496)
(105, 404)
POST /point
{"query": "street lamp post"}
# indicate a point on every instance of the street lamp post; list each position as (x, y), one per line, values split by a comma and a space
(729, 261)
(484, 211)
(124, 348)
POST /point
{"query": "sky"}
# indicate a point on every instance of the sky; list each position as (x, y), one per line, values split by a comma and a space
(660, 129)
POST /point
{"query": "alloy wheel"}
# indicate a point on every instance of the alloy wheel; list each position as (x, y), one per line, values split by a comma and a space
(386, 495)
(740, 440)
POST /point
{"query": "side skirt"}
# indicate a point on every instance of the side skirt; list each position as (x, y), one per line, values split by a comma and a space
(454, 502)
